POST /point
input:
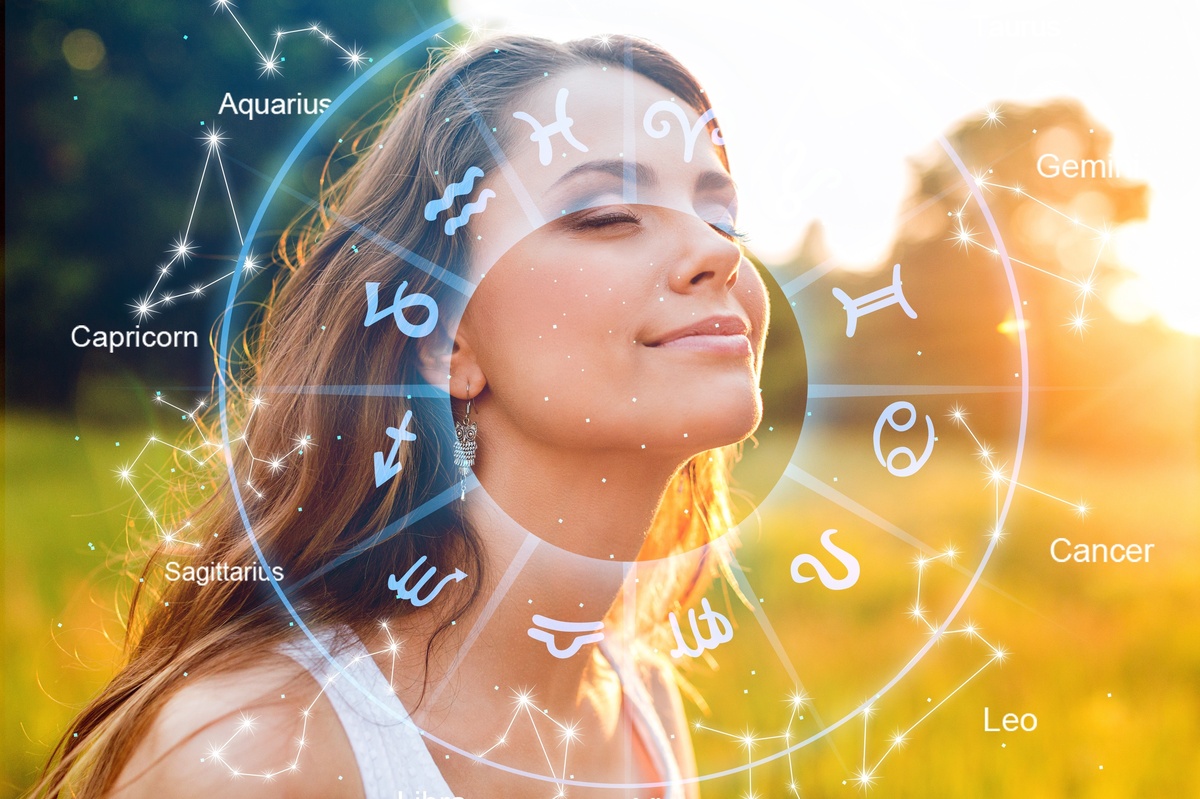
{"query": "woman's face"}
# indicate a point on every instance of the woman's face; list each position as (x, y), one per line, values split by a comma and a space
(614, 306)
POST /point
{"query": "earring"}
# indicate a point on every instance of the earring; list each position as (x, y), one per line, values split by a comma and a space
(464, 447)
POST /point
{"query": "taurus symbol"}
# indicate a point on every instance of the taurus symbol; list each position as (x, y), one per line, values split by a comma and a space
(719, 631)
(827, 579)
(404, 591)
(593, 628)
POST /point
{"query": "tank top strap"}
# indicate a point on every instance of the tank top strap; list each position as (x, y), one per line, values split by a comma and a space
(391, 753)
(392, 757)
(647, 723)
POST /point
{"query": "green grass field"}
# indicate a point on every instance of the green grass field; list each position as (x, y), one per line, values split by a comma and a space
(1107, 657)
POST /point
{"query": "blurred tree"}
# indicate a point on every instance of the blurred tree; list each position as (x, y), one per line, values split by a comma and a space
(103, 109)
(941, 269)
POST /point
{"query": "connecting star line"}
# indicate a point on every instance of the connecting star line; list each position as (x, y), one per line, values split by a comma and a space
(868, 771)
(523, 705)
(199, 455)
(567, 734)
(184, 248)
(965, 237)
(220, 753)
(867, 774)
(997, 475)
(748, 740)
(271, 63)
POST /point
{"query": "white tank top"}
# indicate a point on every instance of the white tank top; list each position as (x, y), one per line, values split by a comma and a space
(389, 747)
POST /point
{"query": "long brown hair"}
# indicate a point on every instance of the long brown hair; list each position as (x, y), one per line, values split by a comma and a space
(322, 506)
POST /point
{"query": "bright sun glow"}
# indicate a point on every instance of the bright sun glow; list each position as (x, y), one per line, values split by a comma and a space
(834, 146)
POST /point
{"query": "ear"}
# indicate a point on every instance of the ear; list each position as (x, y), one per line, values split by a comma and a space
(439, 359)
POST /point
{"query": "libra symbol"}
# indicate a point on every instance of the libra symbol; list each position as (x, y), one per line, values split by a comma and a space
(545, 627)
(869, 303)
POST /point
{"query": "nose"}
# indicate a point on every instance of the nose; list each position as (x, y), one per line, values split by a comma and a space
(707, 260)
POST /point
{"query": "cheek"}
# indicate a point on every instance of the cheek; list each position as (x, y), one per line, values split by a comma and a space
(542, 329)
(754, 299)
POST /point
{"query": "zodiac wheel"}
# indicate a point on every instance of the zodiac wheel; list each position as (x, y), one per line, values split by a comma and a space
(885, 393)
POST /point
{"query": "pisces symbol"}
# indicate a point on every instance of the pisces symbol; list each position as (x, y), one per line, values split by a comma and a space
(827, 579)
(546, 636)
(719, 631)
(459, 189)
(411, 593)
(561, 126)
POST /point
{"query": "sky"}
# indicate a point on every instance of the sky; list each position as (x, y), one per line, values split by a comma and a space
(822, 103)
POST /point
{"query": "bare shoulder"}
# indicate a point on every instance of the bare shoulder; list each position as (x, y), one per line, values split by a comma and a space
(261, 731)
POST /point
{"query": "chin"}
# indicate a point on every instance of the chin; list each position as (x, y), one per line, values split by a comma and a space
(725, 420)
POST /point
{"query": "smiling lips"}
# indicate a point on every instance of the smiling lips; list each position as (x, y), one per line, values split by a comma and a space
(724, 334)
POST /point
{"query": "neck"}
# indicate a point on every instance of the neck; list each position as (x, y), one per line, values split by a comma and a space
(595, 502)
(489, 655)
(569, 571)
(527, 577)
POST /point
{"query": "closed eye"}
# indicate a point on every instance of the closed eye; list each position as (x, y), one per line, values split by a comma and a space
(603, 219)
(729, 231)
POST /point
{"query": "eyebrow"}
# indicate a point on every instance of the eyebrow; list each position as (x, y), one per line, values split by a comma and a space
(642, 174)
(627, 171)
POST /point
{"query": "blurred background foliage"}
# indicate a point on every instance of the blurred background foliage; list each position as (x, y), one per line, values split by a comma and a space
(98, 187)
(104, 105)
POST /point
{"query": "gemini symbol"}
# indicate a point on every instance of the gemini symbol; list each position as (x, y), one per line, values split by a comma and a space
(868, 303)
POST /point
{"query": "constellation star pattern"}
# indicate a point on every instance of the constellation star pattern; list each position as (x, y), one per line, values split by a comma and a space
(200, 455)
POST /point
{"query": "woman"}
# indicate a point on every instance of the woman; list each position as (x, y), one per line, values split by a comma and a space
(555, 222)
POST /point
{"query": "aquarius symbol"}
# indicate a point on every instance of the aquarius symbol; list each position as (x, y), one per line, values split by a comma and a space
(403, 591)
(868, 303)
(689, 134)
(561, 124)
(827, 579)
(460, 189)
(397, 310)
(387, 469)
(888, 417)
(719, 631)
(593, 629)
(463, 187)
(469, 210)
